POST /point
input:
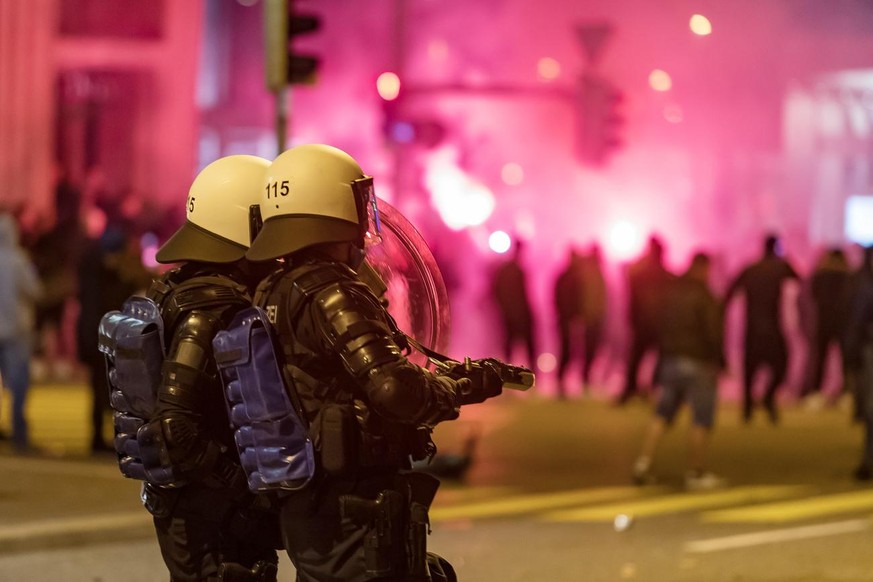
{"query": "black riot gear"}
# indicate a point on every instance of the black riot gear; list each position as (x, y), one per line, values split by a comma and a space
(205, 517)
(209, 526)
(369, 408)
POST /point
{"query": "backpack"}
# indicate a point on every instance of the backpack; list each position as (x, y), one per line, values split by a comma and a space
(132, 342)
(263, 390)
(270, 427)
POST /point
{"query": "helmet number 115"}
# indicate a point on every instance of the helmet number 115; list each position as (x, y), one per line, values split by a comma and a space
(275, 189)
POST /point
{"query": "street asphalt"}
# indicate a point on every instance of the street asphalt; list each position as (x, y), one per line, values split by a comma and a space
(548, 497)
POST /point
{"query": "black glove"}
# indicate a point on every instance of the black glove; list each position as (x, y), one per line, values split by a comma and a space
(490, 380)
(445, 403)
(483, 380)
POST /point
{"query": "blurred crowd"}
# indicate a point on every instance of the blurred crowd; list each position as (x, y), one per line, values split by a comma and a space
(678, 322)
(67, 271)
(61, 274)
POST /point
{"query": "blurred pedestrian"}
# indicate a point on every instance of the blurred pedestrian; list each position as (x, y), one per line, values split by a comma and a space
(593, 308)
(859, 358)
(829, 291)
(647, 281)
(765, 346)
(690, 341)
(56, 252)
(19, 290)
(568, 309)
(509, 288)
(109, 272)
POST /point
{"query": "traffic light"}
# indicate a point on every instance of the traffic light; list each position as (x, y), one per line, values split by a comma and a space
(600, 119)
(419, 130)
(398, 126)
(283, 64)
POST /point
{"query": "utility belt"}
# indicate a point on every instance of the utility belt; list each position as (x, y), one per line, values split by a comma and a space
(397, 526)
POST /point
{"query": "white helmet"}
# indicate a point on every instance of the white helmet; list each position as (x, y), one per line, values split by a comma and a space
(218, 212)
(314, 194)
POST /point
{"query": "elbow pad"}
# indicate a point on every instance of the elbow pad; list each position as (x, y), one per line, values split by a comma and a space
(359, 329)
(356, 326)
(185, 369)
(183, 392)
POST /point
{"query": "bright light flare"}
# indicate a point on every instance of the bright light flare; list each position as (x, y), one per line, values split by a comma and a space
(512, 174)
(499, 242)
(548, 69)
(624, 240)
(859, 219)
(547, 362)
(460, 199)
(660, 80)
(700, 25)
(388, 86)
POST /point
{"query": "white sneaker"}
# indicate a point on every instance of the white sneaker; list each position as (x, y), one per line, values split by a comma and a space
(642, 472)
(705, 481)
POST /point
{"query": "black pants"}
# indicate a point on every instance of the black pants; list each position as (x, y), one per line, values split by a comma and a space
(198, 529)
(514, 333)
(571, 348)
(644, 341)
(100, 406)
(566, 332)
(593, 341)
(763, 352)
(819, 354)
(326, 546)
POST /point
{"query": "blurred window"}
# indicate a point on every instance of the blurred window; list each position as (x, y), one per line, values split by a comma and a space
(116, 18)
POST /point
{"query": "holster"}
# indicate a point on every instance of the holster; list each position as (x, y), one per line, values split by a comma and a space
(395, 543)
(383, 540)
(421, 490)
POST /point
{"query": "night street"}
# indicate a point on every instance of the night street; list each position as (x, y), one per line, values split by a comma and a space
(548, 498)
(261, 245)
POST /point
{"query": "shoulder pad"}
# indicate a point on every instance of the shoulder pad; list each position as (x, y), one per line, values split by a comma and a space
(299, 284)
(202, 292)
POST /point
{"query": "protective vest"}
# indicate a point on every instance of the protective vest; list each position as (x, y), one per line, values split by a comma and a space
(132, 341)
(270, 422)
(270, 430)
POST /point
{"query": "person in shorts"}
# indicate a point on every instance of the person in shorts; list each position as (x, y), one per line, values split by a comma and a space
(690, 340)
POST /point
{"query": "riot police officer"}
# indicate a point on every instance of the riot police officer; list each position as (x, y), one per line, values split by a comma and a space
(208, 525)
(370, 410)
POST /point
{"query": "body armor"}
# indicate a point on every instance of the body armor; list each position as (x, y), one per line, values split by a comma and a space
(161, 373)
(366, 403)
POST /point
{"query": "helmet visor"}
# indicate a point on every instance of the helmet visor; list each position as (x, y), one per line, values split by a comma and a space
(195, 243)
(368, 211)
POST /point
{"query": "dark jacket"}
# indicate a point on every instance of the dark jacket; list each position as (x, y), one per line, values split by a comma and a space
(648, 281)
(762, 284)
(692, 322)
(859, 333)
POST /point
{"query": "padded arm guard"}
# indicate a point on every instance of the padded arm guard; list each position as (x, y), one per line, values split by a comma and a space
(181, 397)
(357, 327)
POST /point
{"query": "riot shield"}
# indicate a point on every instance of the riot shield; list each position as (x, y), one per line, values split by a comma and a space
(411, 281)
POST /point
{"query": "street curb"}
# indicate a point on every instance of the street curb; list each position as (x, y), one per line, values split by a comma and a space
(75, 531)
